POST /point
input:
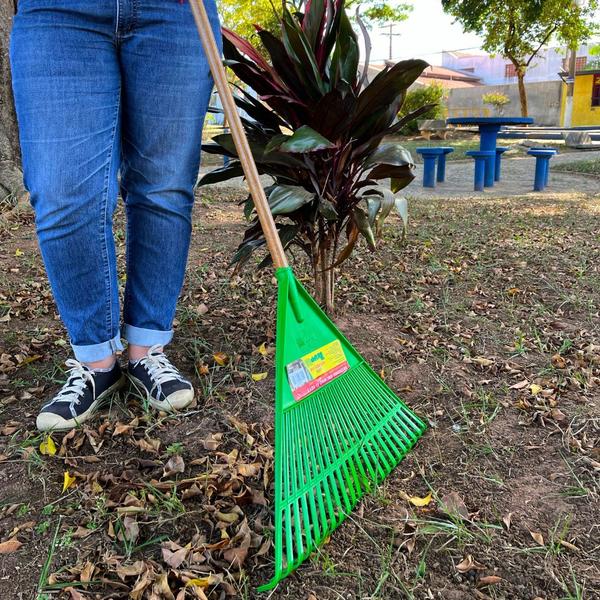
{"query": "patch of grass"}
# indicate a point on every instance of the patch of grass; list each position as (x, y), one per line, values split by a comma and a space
(587, 167)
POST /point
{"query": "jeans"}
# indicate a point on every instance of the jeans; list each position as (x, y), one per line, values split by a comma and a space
(111, 95)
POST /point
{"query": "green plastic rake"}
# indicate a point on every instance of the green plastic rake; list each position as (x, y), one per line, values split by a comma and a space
(339, 430)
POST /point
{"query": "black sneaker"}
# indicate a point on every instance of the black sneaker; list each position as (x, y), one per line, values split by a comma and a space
(164, 386)
(80, 397)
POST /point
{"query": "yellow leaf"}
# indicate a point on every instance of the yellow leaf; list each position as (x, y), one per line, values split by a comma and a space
(259, 376)
(18, 252)
(535, 389)
(262, 349)
(48, 446)
(221, 358)
(198, 582)
(415, 500)
(68, 481)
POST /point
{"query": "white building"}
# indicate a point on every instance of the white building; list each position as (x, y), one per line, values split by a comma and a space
(497, 70)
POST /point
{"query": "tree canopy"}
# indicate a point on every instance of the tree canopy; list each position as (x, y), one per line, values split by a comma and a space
(242, 15)
(519, 29)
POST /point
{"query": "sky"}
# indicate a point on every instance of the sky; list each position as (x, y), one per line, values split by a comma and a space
(425, 34)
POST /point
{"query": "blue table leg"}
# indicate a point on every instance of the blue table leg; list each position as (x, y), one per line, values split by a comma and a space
(480, 164)
(429, 171)
(541, 171)
(490, 169)
(441, 169)
(488, 141)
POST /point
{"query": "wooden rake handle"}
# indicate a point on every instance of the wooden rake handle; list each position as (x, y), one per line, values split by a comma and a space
(239, 136)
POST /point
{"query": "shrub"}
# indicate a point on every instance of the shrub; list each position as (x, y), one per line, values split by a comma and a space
(497, 100)
(317, 130)
(433, 94)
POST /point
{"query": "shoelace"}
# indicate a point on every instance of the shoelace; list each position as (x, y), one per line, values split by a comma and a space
(159, 367)
(73, 389)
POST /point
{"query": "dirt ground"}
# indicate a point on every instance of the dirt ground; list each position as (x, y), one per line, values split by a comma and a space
(485, 321)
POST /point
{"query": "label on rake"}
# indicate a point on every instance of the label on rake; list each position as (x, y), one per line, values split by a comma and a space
(316, 368)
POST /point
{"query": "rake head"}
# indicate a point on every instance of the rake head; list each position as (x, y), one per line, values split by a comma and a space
(339, 430)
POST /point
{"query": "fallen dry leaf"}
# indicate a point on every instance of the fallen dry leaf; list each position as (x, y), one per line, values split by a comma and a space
(174, 465)
(519, 386)
(538, 537)
(453, 504)
(87, 572)
(259, 376)
(416, 500)
(568, 545)
(10, 546)
(489, 580)
(68, 481)
(48, 447)
(173, 554)
(469, 564)
(221, 358)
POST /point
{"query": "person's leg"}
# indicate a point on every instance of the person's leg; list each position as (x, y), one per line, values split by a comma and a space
(166, 91)
(66, 84)
(67, 93)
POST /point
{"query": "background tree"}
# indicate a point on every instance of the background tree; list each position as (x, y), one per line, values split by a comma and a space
(241, 15)
(519, 29)
(433, 95)
(11, 177)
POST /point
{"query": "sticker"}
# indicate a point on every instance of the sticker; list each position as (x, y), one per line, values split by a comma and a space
(315, 369)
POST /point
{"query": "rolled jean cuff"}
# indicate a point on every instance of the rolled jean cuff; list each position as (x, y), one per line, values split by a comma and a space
(147, 337)
(94, 352)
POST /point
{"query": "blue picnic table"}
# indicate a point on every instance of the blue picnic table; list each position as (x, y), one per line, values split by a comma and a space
(488, 135)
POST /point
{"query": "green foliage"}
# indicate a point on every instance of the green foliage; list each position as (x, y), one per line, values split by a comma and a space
(519, 29)
(594, 63)
(497, 100)
(242, 15)
(317, 130)
(433, 95)
(382, 13)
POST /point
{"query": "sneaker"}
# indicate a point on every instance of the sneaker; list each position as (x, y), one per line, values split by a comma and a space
(164, 386)
(80, 397)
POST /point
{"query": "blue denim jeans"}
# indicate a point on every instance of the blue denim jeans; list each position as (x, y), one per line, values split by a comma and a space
(111, 94)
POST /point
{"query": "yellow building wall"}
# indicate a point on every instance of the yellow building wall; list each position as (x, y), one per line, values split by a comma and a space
(583, 111)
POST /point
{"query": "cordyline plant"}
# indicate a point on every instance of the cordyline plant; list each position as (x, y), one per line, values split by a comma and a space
(317, 130)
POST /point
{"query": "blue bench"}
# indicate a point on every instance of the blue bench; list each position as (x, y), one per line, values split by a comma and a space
(441, 169)
(542, 166)
(431, 157)
(500, 150)
(481, 158)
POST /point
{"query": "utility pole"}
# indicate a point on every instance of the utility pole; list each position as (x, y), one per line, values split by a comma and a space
(391, 34)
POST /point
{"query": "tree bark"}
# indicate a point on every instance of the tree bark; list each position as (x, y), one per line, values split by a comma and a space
(12, 190)
(522, 91)
(323, 273)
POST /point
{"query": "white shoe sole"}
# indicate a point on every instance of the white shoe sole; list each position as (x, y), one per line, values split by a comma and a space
(47, 421)
(176, 401)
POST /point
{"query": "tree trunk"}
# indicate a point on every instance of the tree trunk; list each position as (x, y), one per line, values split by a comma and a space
(323, 273)
(522, 91)
(12, 191)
